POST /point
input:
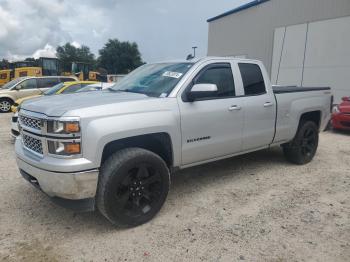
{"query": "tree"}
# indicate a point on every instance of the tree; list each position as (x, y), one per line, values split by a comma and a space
(119, 57)
(4, 64)
(69, 53)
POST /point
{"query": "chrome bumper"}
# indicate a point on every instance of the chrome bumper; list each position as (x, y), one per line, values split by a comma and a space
(74, 186)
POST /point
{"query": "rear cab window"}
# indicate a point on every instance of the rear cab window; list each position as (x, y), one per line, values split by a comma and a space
(253, 79)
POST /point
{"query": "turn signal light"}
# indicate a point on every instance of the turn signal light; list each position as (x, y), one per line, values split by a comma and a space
(72, 127)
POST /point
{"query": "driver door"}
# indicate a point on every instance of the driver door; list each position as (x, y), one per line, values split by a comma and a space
(212, 127)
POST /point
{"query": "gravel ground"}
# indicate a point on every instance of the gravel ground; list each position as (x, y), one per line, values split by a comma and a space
(255, 207)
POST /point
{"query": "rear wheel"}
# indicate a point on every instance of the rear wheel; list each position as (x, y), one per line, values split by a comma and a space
(5, 105)
(304, 146)
(133, 186)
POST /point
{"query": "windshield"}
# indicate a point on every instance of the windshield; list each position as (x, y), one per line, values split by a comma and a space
(12, 83)
(156, 80)
(53, 90)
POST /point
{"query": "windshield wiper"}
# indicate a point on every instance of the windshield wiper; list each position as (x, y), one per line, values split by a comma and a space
(127, 91)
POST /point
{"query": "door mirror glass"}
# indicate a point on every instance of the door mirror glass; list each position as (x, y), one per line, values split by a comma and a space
(201, 91)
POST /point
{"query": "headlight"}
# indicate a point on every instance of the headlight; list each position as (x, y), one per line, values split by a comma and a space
(336, 109)
(64, 148)
(63, 127)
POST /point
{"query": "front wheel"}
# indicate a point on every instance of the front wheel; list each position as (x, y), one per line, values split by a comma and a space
(5, 105)
(133, 186)
(304, 146)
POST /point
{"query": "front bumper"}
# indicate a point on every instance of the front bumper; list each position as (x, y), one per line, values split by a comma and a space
(71, 186)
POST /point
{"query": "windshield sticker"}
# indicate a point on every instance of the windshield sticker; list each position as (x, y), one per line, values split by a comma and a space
(172, 74)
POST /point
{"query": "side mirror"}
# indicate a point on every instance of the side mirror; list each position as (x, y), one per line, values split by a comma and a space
(18, 87)
(201, 91)
(346, 98)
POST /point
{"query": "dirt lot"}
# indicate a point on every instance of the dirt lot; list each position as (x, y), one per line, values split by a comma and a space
(255, 208)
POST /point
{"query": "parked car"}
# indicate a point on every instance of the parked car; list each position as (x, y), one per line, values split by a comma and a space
(341, 115)
(115, 149)
(27, 86)
(61, 88)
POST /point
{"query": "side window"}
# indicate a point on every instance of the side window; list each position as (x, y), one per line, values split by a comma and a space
(29, 84)
(47, 82)
(221, 76)
(72, 89)
(253, 80)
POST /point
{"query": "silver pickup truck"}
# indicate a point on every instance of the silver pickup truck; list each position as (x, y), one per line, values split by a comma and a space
(114, 150)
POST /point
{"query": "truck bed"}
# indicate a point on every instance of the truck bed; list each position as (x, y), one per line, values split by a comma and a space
(295, 89)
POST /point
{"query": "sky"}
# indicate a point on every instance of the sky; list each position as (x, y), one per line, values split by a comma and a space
(163, 29)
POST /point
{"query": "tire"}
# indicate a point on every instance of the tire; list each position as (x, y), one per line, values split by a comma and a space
(133, 186)
(304, 145)
(5, 105)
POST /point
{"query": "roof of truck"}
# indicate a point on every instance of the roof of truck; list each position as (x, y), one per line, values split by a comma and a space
(206, 58)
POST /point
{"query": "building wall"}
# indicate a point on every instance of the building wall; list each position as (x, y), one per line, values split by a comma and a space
(314, 54)
(251, 32)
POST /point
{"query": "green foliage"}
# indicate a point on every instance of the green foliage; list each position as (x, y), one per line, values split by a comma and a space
(119, 57)
(67, 54)
(4, 64)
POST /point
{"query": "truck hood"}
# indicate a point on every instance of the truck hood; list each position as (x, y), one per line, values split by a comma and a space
(57, 105)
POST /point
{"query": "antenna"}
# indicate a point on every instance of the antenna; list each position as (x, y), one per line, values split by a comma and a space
(194, 51)
(191, 56)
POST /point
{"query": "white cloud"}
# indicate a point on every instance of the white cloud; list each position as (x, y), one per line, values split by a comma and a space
(47, 51)
(28, 25)
(76, 44)
(163, 29)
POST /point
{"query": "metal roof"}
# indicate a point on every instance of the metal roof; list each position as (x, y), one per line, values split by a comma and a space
(238, 9)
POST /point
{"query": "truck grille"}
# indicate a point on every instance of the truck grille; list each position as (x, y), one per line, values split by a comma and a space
(30, 122)
(32, 144)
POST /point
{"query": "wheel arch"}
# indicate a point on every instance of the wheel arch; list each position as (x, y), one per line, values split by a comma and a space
(158, 143)
(8, 98)
(313, 116)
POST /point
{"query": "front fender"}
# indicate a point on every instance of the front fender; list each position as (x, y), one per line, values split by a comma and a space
(99, 132)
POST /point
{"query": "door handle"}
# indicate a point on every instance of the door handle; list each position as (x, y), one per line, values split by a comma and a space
(234, 108)
(268, 104)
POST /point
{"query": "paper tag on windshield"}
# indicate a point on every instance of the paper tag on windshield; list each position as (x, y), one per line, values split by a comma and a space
(172, 74)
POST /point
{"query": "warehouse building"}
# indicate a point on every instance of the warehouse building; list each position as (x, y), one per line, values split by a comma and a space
(301, 42)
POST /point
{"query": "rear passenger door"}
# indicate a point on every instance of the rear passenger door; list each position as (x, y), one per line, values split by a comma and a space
(259, 107)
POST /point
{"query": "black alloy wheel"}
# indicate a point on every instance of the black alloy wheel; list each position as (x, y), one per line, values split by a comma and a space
(133, 186)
